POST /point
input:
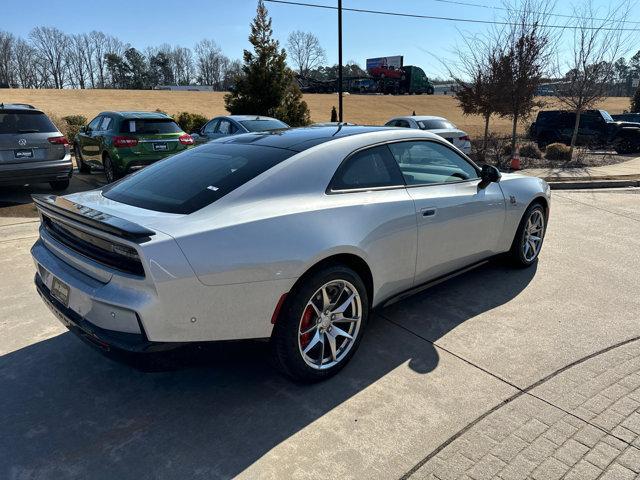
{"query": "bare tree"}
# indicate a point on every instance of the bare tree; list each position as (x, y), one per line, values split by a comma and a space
(475, 77)
(77, 62)
(24, 59)
(7, 43)
(305, 51)
(524, 57)
(598, 41)
(211, 63)
(51, 45)
(183, 65)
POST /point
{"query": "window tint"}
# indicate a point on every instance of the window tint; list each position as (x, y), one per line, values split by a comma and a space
(435, 124)
(263, 125)
(191, 180)
(211, 126)
(430, 162)
(106, 123)
(369, 168)
(93, 124)
(150, 126)
(20, 121)
(225, 127)
(402, 123)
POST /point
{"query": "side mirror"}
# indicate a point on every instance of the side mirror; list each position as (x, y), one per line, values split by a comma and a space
(490, 174)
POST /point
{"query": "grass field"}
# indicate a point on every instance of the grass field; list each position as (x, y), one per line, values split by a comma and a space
(364, 109)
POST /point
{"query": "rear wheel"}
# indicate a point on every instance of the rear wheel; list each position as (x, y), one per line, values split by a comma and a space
(625, 145)
(82, 167)
(110, 171)
(529, 237)
(321, 325)
(59, 184)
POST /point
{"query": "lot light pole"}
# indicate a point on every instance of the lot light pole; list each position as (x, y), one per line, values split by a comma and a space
(340, 60)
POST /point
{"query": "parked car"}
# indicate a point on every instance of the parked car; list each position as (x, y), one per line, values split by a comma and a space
(597, 129)
(384, 71)
(293, 236)
(438, 125)
(236, 124)
(32, 149)
(122, 142)
(627, 117)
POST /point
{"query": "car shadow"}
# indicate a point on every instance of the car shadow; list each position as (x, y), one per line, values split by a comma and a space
(67, 411)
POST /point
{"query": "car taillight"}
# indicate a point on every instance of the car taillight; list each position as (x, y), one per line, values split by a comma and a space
(465, 138)
(186, 139)
(58, 140)
(124, 142)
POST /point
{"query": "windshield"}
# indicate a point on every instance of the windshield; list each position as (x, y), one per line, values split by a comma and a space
(435, 124)
(151, 126)
(195, 178)
(21, 121)
(263, 125)
(606, 116)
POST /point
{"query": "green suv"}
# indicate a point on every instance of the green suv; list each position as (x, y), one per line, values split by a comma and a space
(121, 142)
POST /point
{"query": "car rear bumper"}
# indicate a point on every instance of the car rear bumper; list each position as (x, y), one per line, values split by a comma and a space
(101, 338)
(36, 172)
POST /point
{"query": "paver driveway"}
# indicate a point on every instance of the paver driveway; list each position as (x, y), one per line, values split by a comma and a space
(433, 374)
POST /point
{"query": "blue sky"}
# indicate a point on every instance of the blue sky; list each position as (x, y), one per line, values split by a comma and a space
(151, 22)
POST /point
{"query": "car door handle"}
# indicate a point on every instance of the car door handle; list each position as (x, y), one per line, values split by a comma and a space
(428, 212)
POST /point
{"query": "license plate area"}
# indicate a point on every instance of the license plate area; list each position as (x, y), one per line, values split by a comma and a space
(60, 291)
(23, 153)
(160, 147)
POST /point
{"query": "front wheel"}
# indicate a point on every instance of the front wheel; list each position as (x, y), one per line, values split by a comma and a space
(527, 242)
(321, 325)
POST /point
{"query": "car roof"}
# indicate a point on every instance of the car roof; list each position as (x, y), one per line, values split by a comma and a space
(299, 139)
(239, 118)
(138, 115)
(17, 106)
(419, 117)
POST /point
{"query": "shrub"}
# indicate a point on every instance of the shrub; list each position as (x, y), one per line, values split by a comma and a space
(530, 150)
(635, 101)
(557, 151)
(334, 115)
(73, 124)
(190, 122)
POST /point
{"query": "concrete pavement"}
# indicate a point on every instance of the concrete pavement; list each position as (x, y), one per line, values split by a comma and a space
(434, 374)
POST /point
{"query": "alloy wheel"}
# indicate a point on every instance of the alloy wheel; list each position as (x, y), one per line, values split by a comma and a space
(329, 324)
(533, 235)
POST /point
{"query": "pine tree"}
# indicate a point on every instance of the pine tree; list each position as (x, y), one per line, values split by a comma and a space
(266, 85)
(635, 101)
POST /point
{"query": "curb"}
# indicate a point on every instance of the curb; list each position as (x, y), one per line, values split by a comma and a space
(588, 184)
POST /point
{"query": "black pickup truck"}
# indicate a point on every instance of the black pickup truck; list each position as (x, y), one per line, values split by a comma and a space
(597, 129)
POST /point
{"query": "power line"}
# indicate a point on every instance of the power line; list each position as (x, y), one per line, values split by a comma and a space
(448, 19)
(492, 7)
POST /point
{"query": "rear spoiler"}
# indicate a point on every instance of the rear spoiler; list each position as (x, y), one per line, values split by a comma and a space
(89, 216)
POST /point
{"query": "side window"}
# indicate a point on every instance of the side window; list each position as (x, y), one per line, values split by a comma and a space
(391, 123)
(590, 120)
(402, 123)
(423, 163)
(224, 127)
(93, 125)
(369, 168)
(211, 126)
(106, 123)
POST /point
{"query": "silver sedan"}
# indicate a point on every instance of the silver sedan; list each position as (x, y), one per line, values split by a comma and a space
(294, 236)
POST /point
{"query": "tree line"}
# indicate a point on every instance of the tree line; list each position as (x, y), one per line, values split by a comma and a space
(50, 58)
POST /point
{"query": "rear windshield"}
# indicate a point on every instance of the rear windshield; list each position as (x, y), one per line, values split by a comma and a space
(20, 121)
(195, 178)
(263, 125)
(150, 126)
(435, 124)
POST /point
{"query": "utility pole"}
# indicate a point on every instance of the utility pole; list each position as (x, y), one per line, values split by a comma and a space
(340, 60)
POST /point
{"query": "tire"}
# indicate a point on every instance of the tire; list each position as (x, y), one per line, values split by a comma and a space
(430, 91)
(110, 172)
(526, 247)
(624, 145)
(59, 185)
(302, 339)
(82, 167)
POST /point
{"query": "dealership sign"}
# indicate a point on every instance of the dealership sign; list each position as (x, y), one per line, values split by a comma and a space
(395, 62)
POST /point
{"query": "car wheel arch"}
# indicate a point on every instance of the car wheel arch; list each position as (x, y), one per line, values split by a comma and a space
(351, 260)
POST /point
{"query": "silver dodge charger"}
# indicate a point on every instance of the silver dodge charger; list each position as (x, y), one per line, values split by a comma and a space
(291, 235)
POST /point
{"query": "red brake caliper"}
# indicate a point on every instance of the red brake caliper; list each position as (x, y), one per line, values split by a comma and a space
(306, 323)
